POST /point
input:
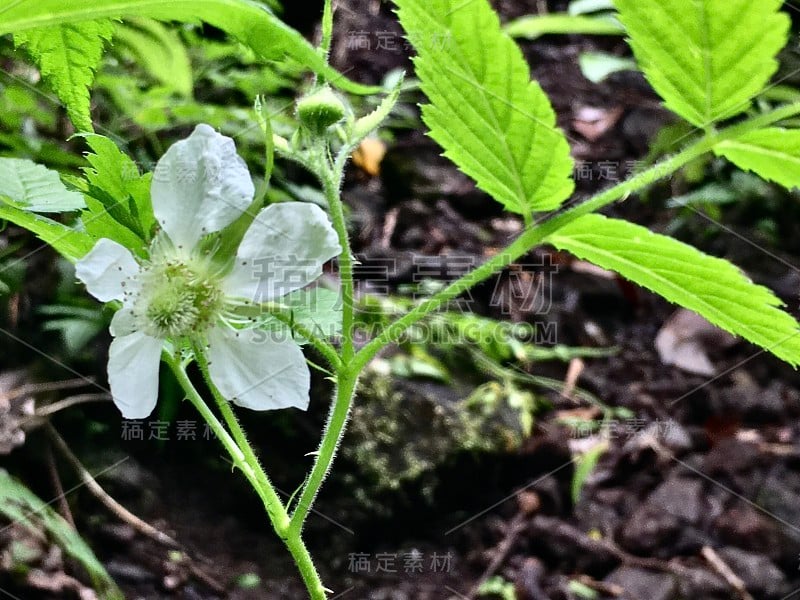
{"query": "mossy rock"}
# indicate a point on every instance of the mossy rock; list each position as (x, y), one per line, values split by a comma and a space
(403, 432)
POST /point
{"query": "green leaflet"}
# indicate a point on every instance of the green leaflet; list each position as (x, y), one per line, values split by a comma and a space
(35, 188)
(772, 154)
(159, 51)
(70, 243)
(493, 122)
(706, 58)
(710, 286)
(535, 26)
(24, 509)
(114, 179)
(249, 22)
(370, 122)
(597, 66)
(68, 55)
(584, 467)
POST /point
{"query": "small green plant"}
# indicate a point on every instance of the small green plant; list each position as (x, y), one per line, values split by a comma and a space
(587, 17)
(200, 271)
(44, 526)
(497, 587)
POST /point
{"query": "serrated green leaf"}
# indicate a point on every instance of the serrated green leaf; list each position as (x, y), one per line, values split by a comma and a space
(99, 222)
(159, 51)
(773, 154)
(68, 55)
(25, 509)
(115, 181)
(534, 26)
(710, 286)
(249, 22)
(70, 243)
(35, 188)
(494, 123)
(706, 58)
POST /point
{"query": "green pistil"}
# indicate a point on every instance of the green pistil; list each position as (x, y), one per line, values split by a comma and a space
(178, 301)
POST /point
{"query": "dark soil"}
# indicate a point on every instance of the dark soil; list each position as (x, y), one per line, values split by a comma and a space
(698, 493)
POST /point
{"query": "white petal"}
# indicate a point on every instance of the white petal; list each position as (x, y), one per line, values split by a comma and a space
(133, 362)
(108, 270)
(200, 186)
(258, 370)
(123, 322)
(282, 251)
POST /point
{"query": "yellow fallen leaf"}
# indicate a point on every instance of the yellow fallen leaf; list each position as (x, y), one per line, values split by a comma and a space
(368, 156)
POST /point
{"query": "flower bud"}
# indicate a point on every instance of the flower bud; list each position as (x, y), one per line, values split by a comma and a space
(320, 110)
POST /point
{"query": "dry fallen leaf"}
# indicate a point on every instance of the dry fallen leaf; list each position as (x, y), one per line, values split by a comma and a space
(684, 341)
(13, 411)
(369, 155)
(593, 122)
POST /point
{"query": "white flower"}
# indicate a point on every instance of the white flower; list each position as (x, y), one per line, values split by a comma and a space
(201, 186)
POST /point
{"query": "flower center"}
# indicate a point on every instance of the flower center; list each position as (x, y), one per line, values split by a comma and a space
(177, 300)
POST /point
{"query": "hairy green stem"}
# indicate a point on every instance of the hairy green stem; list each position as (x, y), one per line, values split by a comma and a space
(346, 381)
(346, 374)
(236, 430)
(244, 458)
(332, 186)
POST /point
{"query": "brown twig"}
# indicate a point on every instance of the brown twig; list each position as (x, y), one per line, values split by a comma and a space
(41, 415)
(50, 409)
(31, 389)
(610, 589)
(580, 539)
(124, 515)
(724, 571)
(63, 505)
(528, 504)
(576, 367)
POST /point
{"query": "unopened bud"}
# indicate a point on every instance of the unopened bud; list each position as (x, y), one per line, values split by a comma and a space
(320, 110)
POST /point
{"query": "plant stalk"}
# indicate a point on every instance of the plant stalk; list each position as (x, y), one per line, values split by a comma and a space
(244, 458)
(534, 235)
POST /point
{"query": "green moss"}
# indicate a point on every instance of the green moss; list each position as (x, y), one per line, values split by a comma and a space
(403, 431)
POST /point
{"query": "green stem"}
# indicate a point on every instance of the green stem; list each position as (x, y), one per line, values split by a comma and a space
(197, 401)
(331, 183)
(535, 235)
(346, 382)
(236, 430)
(244, 458)
(327, 30)
(346, 375)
